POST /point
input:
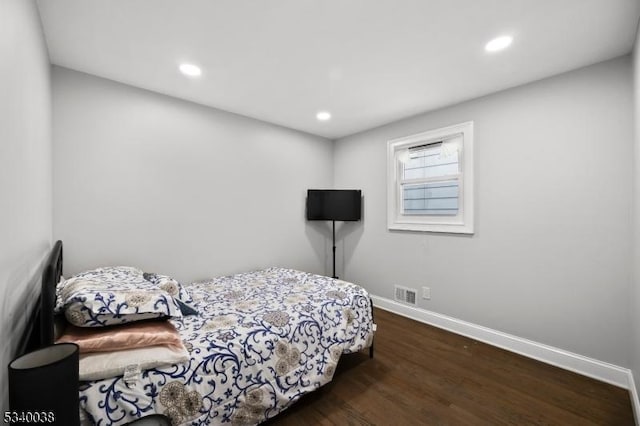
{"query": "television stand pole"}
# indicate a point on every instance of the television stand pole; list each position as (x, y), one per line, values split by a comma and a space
(334, 249)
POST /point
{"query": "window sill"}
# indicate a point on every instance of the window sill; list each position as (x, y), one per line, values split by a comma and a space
(432, 227)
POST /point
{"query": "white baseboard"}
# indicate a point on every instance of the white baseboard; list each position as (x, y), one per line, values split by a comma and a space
(586, 366)
(635, 402)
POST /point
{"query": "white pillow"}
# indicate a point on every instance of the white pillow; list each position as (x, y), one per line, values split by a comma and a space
(104, 365)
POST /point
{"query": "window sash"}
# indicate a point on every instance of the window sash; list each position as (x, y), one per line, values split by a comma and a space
(434, 198)
(423, 161)
(432, 208)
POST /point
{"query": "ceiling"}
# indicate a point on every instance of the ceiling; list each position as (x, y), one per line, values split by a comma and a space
(368, 62)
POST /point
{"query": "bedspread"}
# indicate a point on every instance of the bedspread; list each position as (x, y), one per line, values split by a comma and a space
(260, 341)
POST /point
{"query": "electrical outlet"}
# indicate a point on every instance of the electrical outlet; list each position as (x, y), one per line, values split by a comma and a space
(426, 293)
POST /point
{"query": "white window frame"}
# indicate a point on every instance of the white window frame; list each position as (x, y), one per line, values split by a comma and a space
(462, 223)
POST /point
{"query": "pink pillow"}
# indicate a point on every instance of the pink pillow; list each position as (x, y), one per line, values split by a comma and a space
(127, 336)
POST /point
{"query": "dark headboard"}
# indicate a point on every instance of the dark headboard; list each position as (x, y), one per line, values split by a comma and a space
(50, 279)
(40, 329)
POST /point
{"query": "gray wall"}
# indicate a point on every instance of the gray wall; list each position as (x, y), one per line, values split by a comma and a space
(25, 170)
(174, 187)
(550, 259)
(635, 290)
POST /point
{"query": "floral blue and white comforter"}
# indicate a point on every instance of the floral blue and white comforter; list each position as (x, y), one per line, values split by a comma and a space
(261, 340)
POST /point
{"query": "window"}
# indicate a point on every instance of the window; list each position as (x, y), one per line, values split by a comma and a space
(430, 181)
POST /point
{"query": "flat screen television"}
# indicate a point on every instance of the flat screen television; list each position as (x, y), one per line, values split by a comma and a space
(334, 204)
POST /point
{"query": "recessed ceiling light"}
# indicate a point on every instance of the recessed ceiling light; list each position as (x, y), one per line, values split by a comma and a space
(190, 70)
(323, 116)
(498, 43)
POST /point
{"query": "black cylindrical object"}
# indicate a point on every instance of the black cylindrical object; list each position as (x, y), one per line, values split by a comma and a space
(43, 386)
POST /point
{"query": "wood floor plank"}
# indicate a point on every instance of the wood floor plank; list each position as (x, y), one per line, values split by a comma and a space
(423, 375)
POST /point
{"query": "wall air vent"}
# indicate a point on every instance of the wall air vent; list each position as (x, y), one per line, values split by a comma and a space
(405, 295)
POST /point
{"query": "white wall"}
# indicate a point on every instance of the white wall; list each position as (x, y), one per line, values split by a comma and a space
(635, 293)
(174, 187)
(25, 171)
(550, 259)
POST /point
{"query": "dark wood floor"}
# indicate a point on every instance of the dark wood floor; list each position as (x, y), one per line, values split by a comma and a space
(423, 375)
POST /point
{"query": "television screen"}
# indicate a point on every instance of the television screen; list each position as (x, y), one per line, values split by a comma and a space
(334, 204)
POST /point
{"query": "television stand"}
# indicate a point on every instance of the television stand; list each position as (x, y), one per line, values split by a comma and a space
(334, 249)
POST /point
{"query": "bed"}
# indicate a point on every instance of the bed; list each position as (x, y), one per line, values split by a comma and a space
(259, 341)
